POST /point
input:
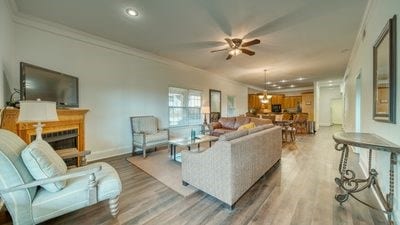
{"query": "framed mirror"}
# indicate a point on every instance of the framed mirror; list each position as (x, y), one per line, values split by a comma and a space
(384, 69)
(215, 105)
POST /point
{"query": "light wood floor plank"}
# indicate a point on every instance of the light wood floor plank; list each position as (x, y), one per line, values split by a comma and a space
(299, 191)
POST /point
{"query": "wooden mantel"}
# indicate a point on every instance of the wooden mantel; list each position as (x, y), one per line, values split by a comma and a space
(68, 119)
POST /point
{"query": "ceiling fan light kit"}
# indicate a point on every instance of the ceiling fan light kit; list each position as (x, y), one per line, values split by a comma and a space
(236, 47)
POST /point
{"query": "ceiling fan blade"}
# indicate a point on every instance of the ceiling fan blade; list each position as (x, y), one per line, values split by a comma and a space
(229, 57)
(230, 42)
(220, 50)
(250, 43)
(248, 52)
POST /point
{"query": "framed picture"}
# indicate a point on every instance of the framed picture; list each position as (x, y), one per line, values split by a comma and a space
(384, 74)
(215, 105)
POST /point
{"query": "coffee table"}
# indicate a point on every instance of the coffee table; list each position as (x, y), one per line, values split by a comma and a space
(187, 142)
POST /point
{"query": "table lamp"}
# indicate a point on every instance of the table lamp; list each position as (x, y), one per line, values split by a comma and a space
(205, 110)
(37, 111)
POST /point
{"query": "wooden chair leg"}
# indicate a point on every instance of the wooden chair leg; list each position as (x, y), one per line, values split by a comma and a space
(114, 204)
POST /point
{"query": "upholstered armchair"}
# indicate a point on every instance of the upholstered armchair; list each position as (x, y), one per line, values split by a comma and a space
(146, 134)
(29, 203)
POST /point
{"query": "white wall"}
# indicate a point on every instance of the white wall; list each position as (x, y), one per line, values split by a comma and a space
(361, 60)
(7, 53)
(326, 95)
(115, 82)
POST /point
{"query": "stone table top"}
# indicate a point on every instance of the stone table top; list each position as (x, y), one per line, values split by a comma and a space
(366, 140)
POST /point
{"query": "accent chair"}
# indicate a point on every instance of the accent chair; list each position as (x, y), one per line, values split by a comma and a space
(146, 134)
(29, 203)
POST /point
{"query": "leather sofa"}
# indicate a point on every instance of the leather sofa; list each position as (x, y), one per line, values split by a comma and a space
(229, 124)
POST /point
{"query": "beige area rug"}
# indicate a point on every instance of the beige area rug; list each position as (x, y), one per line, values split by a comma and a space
(160, 166)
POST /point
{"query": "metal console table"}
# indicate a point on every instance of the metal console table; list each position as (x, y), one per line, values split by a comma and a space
(349, 184)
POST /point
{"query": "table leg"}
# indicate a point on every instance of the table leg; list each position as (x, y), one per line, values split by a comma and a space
(174, 152)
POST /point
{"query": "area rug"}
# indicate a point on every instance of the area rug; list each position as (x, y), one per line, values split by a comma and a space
(160, 166)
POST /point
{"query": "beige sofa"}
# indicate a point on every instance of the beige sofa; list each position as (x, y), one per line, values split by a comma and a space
(234, 163)
(229, 124)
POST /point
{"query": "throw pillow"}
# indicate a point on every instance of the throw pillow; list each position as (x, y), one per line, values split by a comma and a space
(43, 162)
(260, 128)
(247, 126)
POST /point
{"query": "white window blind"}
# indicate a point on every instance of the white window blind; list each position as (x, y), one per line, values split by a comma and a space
(184, 107)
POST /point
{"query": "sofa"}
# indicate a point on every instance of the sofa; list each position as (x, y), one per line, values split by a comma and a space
(229, 124)
(234, 163)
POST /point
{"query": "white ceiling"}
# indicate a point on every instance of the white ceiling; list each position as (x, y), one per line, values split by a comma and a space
(299, 38)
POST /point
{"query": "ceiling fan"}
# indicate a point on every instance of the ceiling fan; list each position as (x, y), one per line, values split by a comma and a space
(236, 47)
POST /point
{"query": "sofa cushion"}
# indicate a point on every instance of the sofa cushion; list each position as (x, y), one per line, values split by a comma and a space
(43, 162)
(74, 196)
(260, 128)
(241, 121)
(260, 122)
(220, 131)
(247, 126)
(227, 122)
(233, 135)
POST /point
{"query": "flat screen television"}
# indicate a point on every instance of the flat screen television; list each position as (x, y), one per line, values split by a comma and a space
(276, 108)
(40, 83)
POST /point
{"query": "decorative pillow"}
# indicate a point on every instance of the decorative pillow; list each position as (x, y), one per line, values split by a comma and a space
(260, 128)
(233, 135)
(43, 162)
(247, 126)
(241, 121)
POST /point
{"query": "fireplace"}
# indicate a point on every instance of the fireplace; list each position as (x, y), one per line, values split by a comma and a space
(68, 132)
(62, 140)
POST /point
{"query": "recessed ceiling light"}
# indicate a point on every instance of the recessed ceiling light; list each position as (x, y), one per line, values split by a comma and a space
(279, 87)
(269, 82)
(131, 12)
(330, 81)
(283, 81)
(274, 85)
(330, 84)
(292, 86)
(300, 78)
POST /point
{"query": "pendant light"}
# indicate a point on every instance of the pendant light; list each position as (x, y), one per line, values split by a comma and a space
(265, 97)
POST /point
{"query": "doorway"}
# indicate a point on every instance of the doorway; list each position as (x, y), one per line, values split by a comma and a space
(337, 110)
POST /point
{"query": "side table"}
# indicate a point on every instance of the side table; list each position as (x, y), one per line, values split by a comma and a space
(348, 183)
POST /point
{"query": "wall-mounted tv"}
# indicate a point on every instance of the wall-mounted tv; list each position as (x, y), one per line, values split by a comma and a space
(37, 82)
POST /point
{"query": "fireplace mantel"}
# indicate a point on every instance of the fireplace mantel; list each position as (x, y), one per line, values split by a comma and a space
(68, 119)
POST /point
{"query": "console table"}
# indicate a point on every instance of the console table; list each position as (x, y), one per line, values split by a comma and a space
(349, 184)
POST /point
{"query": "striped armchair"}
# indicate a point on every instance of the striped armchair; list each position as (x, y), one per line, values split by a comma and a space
(146, 134)
(29, 203)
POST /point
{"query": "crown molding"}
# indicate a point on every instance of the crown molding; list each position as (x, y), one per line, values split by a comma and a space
(359, 38)
(74, 34)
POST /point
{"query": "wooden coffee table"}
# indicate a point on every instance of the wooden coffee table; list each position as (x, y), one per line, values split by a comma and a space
(187, 143)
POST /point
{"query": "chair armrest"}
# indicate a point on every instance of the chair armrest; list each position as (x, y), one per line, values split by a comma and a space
(78, 172)
(214, 125)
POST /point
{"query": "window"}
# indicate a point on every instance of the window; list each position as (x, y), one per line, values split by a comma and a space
(184, 107)
(231, 106)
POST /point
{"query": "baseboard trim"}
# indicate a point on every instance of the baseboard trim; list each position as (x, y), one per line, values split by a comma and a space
(325, 124)
(107, 153)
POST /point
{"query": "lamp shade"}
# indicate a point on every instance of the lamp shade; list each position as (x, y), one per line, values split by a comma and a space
(37, 111)
(205, 109)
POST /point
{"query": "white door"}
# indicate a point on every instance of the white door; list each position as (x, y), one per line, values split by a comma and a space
(337, 111)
